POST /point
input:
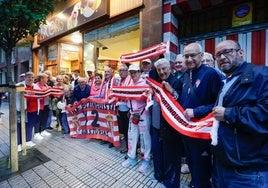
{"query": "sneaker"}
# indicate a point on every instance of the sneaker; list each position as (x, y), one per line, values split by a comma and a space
(30, 144)
(19, 148)
(45, 133)
(38, 136)
(59, 128)
(129, 162)
(145, 166)
(185, 169)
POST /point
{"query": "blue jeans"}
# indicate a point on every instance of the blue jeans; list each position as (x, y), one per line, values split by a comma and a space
(49, 119)
(232, 177)
(64, 123)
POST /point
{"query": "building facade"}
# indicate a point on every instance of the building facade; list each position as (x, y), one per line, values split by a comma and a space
(209, 22)
(87, 35)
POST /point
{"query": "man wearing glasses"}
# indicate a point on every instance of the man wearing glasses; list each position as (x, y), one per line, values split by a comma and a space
(241, 154)
(201, 85)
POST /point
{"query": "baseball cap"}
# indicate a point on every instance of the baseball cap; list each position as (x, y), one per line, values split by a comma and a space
(133, 68)
(147, 60)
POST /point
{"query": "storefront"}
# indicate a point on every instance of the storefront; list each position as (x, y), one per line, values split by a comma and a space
(209, 22)
(94, 34)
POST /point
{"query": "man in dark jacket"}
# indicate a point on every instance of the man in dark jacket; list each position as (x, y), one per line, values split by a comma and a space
(166, 141)
(201, 85)
(241, 154)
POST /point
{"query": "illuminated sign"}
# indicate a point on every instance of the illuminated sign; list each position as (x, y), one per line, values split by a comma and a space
(72, 17)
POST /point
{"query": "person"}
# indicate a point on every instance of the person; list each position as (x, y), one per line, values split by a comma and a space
(31, 106)
(166, 154)
(242, 150)
(66, 100)
(200, 87)
(95, 87)
(90, 74)
(76, 76)
(40, 127)
(108, 82)
(179, 66)
(50, 83)
(209, 61)
(139, 125)
(57, 112)
(146, 67)
(123, 109)
(82, 90)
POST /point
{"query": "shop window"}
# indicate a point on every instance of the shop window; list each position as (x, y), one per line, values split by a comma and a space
(104, 46)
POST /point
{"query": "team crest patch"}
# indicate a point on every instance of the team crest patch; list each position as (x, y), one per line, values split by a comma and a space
(197, 83)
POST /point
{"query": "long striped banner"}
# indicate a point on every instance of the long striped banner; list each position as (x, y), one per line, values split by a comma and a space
(173, 114)
(93, 118)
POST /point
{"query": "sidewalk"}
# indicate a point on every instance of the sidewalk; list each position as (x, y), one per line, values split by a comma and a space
(75, 163)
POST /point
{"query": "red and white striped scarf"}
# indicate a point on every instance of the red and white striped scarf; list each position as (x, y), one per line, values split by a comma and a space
(37, 93)
(172, 111)
(151, 52)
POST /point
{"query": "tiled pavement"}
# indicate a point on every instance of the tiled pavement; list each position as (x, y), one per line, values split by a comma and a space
(75, 163)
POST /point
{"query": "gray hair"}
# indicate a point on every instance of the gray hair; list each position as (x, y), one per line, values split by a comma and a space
(162, 61)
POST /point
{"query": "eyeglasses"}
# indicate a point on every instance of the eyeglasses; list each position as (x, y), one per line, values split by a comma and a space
(186, 56)
(226, 52)
(123, 70)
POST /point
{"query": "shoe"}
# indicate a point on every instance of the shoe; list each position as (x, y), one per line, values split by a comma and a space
(126, 157)
(123, 150)
(185, 169)
(45, 133)
(152, 178)
(59, 128)
(30, 144)
(103, 142)
(129, 162)
(49, 128)
(38, 136)
(19, 148)
(111, 145)
(145, 166)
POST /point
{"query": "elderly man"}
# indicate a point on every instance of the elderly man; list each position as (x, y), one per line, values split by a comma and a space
(108, 82)
(82, 90)
(242, 150)
(146, 67)
(201, 85)
(166, 141)
(123, 109)
(179, 66)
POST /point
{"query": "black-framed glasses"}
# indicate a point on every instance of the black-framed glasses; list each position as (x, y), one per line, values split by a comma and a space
(226, 52)
(193, 55)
